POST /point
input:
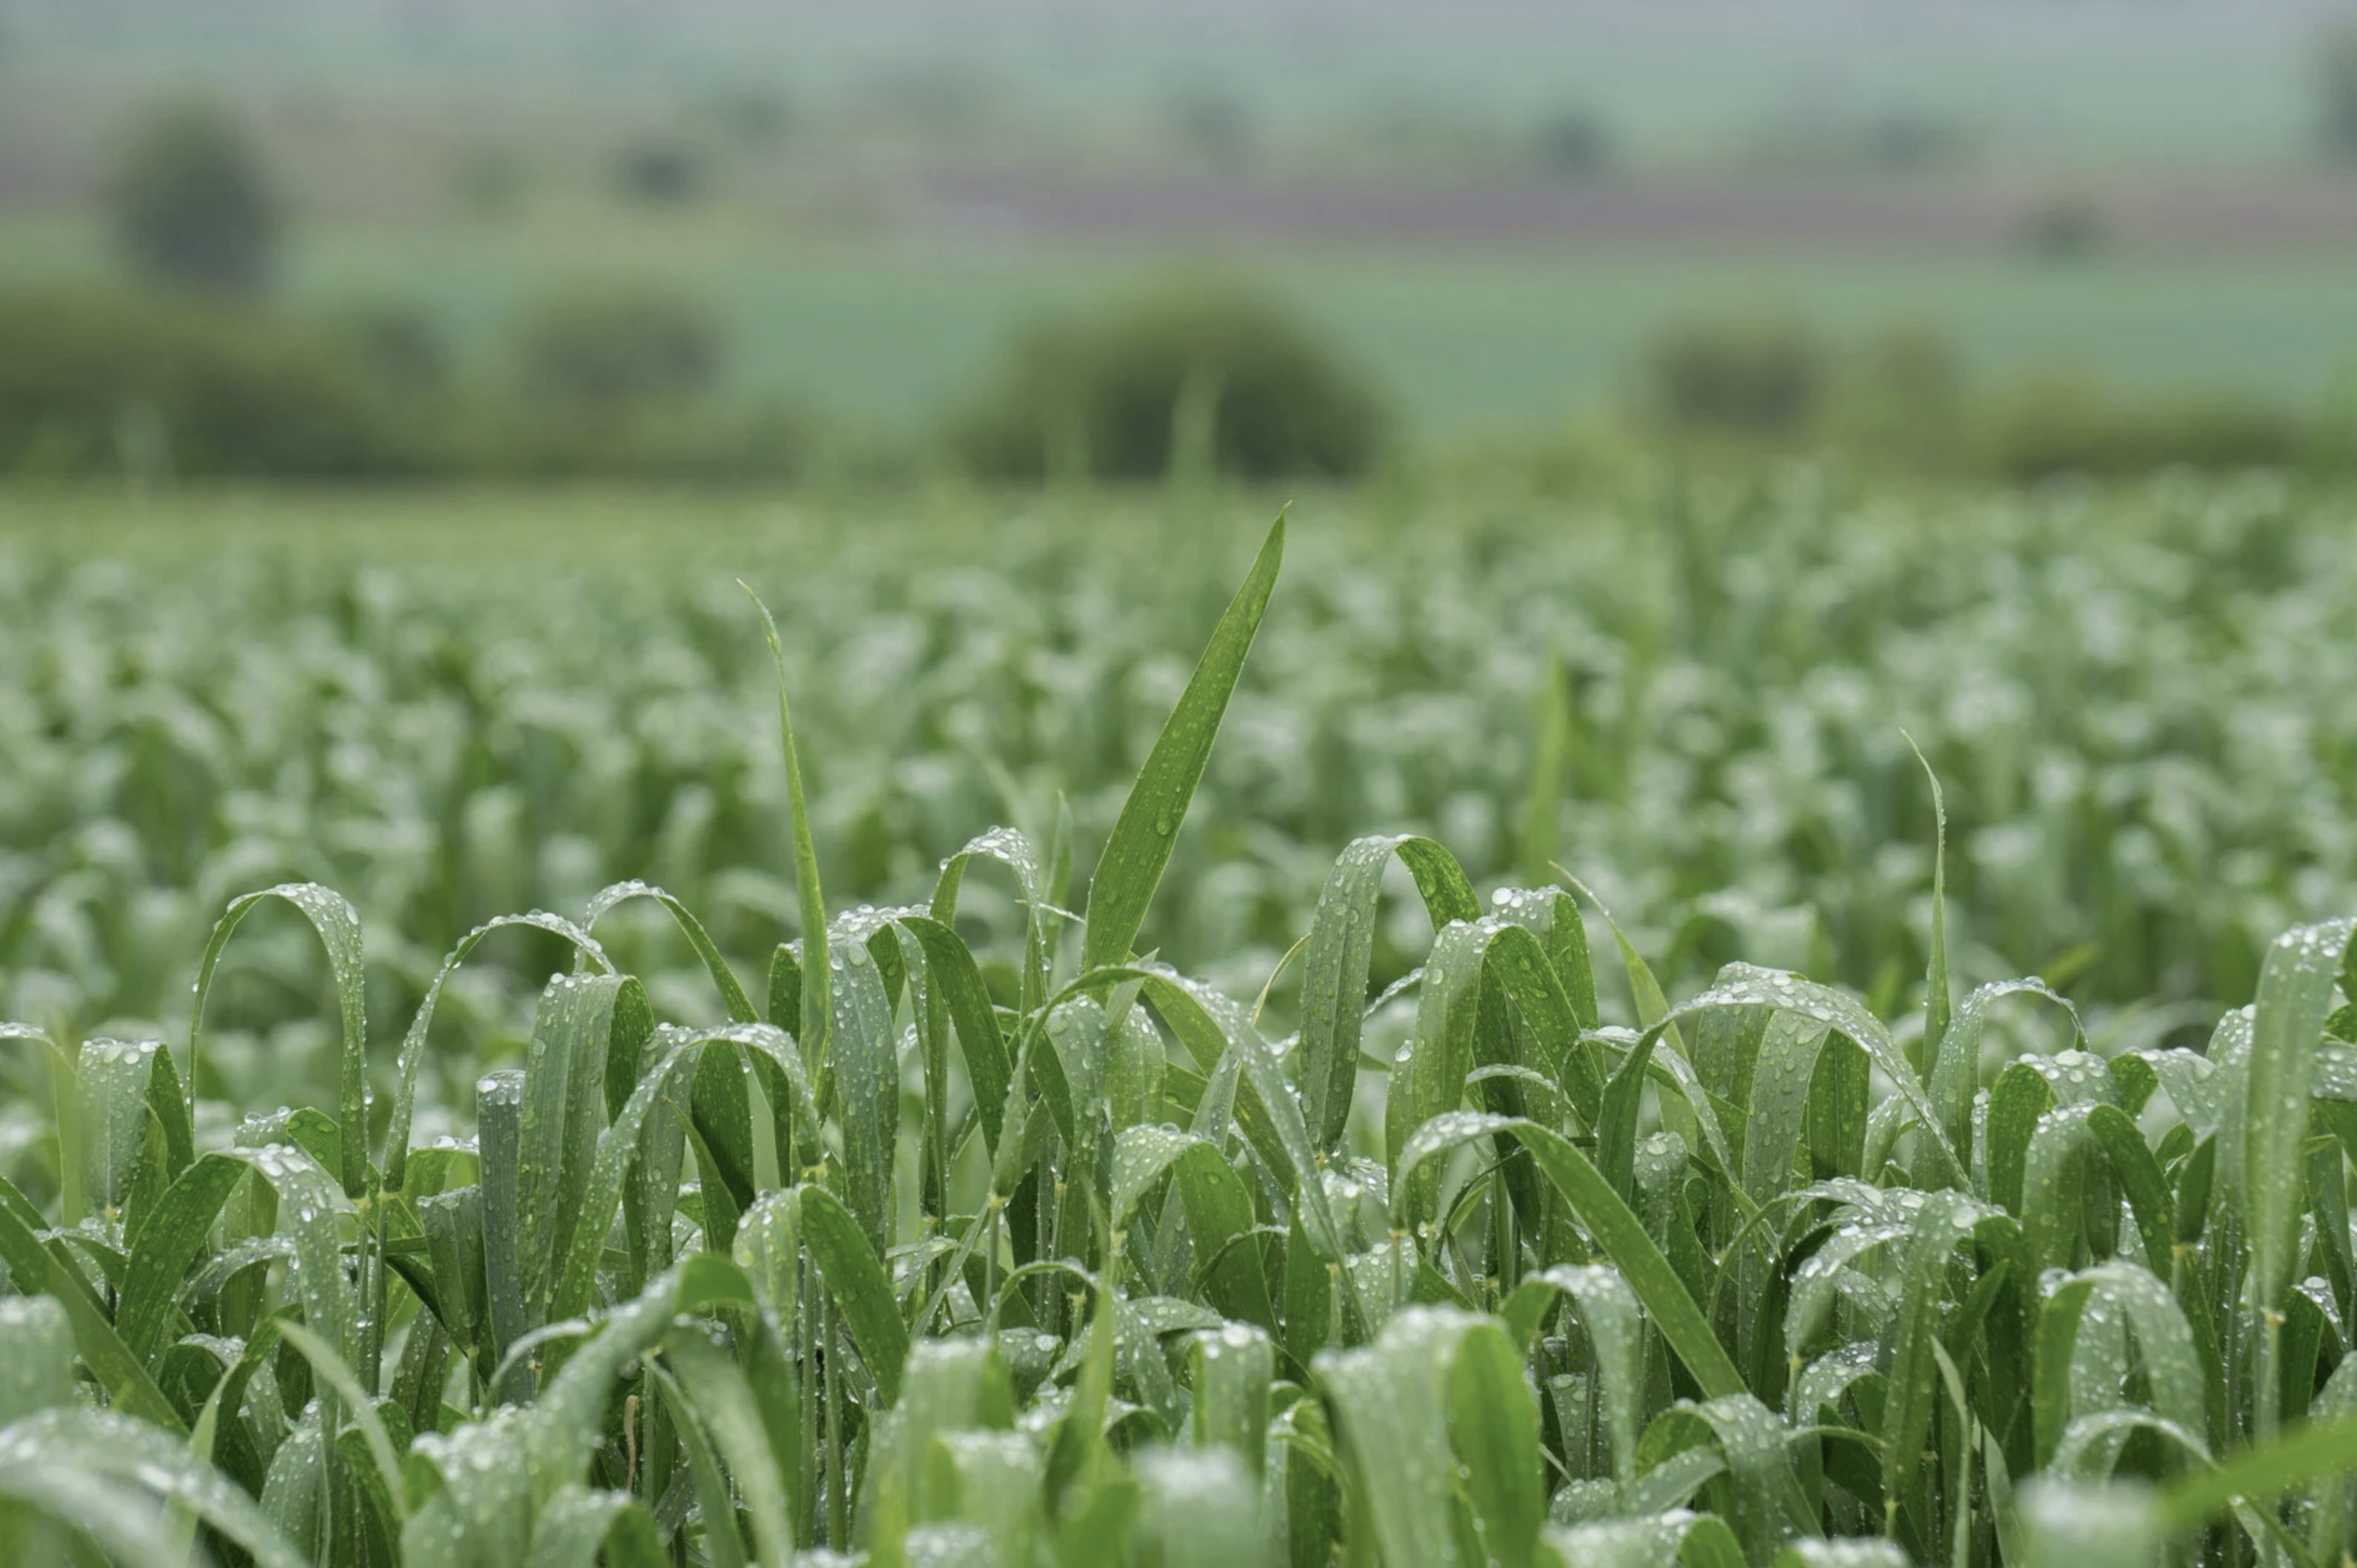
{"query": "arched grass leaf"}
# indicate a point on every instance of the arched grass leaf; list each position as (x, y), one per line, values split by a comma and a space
(340, 932)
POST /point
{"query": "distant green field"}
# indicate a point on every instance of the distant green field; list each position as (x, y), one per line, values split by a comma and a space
(2204, 84)
(886, 334)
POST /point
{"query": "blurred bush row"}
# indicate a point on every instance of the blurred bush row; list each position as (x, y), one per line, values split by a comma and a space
(1901, 398)
(1188, 381)
(633, 384)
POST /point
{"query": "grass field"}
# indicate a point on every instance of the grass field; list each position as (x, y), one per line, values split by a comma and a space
(1264, 1151)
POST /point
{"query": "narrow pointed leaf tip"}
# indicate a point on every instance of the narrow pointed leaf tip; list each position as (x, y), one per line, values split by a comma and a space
(811, 1027)
(1142, 837)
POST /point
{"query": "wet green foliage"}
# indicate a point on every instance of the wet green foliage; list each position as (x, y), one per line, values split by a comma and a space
(948, 1254)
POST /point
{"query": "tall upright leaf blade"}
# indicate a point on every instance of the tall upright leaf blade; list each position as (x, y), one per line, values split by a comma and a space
(1148, 829)
(1936, 996)
(1541, 827)
(72, 1194)
(856, 1274)
(1494, 1423)
(1391, 1399)
(174, 1232)
(2263, 1142)
(817, 1015)
(113, 1077)
(865, 1056)
(721, 1399)
(1334, 964)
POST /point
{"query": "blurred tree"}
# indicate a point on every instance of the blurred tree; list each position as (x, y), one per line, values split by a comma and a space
(397, 346)
(1178, 385)
(1901, 397)
(2336, 58)
(658, 171)
(1214, 125)
(2063, 229)
(156, 383)
(192, 207)
(2058, 422)
(607, 356)
(1760, 377)
(1573, 140)
(1910, 141)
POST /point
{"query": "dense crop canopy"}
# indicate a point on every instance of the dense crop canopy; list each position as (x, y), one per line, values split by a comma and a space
(936, 1259)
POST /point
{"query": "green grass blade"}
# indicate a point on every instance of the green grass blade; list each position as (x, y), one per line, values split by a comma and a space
(718, 1394)
(72, 1197)
(1078, 1437)
(1936, 996)
(2140, 1181)
(1037, 889)
(1389, 1401)
(856, 1274)
(578, 1524)
(1534, 983)
(2262, 1144)
(413, 1044)
(1845, 1015)
(2056, 1167)
(1131, 865)
(1783, 1072)
(1234, 1368)
(1334, 964)
(1943, 1220)
(36, 1351)
(1617, 1229)
(722, 1541)
(817, 1014)
(1494, 1423)
(168, 1242)
(563, 1110)
(724, 979)
(112, 1078)
(340, 933)
(2021, 1096)
(96, 1470)
(331, 1369)
(866, 1055)
(499, 1120)
(2260, 1474)
(123, 1375)
(952, 975)
(1609, 1315)
(618, 1148)
(1955, 1074)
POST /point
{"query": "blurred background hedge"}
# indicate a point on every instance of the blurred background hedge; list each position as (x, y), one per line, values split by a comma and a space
(1186, 380)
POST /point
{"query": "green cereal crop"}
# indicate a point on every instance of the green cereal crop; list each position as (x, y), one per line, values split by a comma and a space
(931, 1248)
